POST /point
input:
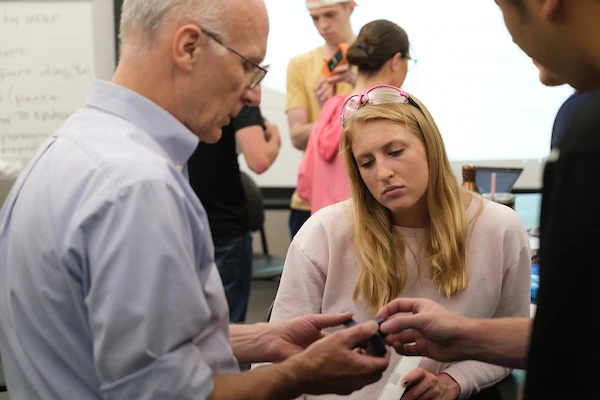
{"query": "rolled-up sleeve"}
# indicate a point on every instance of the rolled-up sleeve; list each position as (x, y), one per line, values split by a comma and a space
(473, 376)
(155, 306)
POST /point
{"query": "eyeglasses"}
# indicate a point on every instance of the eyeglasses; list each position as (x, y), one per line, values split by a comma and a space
(261, 71)
(412, 63)
(381, 94)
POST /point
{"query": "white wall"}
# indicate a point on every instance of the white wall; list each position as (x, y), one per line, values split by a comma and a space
(482, 89)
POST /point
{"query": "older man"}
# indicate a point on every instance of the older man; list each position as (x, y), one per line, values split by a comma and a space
(109, 288)
(561, 348)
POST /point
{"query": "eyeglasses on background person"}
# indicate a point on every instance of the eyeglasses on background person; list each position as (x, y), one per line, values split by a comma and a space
(412, 63)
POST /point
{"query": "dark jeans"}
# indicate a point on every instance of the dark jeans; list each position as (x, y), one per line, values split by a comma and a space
(234, 262)
(297, 219)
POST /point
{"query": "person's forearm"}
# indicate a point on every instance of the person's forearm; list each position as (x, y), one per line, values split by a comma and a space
(260, 162)
(273, 151)
(247, 344)
(277, 381)
(500, 341)
(300, 134)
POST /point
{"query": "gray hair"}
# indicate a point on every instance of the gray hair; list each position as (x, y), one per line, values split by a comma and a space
(150, 16)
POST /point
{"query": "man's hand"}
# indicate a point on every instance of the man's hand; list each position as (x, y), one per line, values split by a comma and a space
(272, 134)
(289, 337)
(423, 327)
(424, 385)
(343, 73)
(324, 91)
(334, 365)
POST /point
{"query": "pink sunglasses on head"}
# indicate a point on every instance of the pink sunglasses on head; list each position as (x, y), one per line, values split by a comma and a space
(381, 94)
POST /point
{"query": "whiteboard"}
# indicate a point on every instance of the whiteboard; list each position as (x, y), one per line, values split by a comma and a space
(481, 89)
(50, 51)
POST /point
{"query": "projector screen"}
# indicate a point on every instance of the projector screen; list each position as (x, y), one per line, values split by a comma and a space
(481, 89)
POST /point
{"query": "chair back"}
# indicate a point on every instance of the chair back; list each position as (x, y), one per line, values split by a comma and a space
(256, 209)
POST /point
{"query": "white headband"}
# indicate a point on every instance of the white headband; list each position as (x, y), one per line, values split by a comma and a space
(312, 4)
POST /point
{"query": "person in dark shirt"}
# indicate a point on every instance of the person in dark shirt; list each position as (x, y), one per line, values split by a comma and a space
(574, 103)
(566, 114)
(215, 177)
(560, 349)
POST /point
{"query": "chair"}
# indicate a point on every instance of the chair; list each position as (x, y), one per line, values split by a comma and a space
(2, 382)
(265, 265)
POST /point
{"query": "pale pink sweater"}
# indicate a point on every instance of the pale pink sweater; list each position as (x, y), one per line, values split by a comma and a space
(321, 271)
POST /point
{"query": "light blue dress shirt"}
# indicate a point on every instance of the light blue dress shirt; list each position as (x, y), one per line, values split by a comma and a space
(108, 287)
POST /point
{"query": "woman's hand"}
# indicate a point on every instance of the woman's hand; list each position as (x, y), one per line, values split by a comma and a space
(423, 385)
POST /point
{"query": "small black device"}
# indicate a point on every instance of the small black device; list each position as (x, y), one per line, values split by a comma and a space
(375, 345)
(335, 60)
(338, 58)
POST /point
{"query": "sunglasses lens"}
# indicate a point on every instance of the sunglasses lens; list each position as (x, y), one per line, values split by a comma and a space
(387, 94)
(378, 95)
(350, 107)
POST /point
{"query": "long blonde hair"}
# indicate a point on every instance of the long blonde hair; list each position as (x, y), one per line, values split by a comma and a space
(379, 249)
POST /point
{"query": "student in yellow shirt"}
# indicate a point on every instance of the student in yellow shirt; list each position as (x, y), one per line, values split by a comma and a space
(308, 89)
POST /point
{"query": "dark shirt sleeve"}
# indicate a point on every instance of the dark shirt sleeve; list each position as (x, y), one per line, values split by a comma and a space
(567, 114)
(249, 116)
(565, 342)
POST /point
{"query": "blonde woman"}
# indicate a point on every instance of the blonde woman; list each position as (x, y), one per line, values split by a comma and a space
(409, 230)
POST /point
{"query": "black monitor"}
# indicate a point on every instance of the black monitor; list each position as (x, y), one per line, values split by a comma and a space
(505, 178)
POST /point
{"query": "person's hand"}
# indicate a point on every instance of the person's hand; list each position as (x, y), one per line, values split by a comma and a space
(324, 91)
(423, 327)
(272, 133)
(423, 385)
(334, 364)
(343, 73)
(289, 337)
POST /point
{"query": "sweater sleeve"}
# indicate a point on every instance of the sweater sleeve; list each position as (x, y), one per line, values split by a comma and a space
(473, 376)
(301, 287)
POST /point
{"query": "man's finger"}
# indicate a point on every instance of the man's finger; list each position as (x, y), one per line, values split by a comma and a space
(368, 364)
(322, 321)
(359, 333)
(402, 305)
(337, 78)
(409, 349)
(340, 69)
(406, 336)
(399, 323)
(323, 91)
(319, 83)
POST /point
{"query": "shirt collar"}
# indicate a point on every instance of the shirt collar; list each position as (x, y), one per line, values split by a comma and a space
(174, 137)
